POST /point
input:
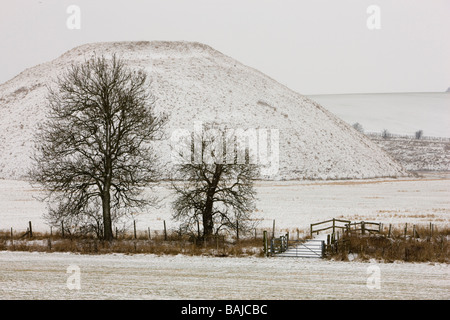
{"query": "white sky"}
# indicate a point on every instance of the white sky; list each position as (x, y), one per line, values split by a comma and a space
(313, 47)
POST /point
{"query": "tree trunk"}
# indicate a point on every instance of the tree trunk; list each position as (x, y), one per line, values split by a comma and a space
(107, 224)
(208, 223)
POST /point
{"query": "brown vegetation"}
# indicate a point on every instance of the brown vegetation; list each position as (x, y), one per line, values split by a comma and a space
(422, 246)
(173, 244)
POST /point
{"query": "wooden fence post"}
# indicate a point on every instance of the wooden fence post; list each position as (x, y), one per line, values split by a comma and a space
(12, 237)
(287, 240)
(31, 230)
(134, 227)
(273, 229)
(265, 243)
(363, 227)
(62, 228)
(165, 231)
(149, 236)
(390, 227)
(323, 248)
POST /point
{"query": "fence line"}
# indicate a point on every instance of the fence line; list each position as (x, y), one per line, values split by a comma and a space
(334, 226)
(405, 136)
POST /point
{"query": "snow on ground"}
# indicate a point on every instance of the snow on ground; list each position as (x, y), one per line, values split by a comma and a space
(293, 204)
(25, 275)
(417, 154)
(400, 113)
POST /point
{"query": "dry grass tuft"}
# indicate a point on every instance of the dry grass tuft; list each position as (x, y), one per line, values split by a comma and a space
(423, 247)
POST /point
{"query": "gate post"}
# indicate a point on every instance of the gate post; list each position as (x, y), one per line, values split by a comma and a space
(266, 253)
(287, 240)
(31, 230)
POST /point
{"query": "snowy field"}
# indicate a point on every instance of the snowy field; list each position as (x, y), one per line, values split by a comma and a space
(292, 204)
(400, 113)
(44, 276)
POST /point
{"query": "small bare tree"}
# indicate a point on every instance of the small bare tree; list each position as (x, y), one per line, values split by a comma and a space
(358, 127)
(94, 153)
(385, 134)
(213, 192)
(419, 134)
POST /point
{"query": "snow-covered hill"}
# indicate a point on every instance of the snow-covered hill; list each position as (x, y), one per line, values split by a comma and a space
(193, 82)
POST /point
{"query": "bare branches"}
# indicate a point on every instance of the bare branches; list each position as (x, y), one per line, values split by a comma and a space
(97, 140)
(221, 195)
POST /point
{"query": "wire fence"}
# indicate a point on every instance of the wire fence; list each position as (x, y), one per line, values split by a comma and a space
(388, 135)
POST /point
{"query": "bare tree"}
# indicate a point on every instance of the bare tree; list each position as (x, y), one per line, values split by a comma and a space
(419, 134)
(216, 191)
(94, 154)
(358, 127)
(385, 134)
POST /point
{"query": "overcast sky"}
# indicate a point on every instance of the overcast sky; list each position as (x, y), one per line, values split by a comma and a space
(313, 47)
